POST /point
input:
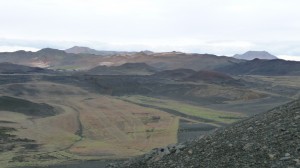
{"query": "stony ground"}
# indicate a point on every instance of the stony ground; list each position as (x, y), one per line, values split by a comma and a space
(271, 139)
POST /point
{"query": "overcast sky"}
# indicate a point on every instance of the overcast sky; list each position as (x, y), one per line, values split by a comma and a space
(223, 27)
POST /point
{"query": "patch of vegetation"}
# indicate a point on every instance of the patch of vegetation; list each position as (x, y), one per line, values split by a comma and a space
(188, 109)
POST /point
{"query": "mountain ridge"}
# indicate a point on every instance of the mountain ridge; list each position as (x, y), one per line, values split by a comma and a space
(59, 59)
(87, 50)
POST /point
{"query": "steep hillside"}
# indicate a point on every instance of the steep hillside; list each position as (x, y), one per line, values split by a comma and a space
(263, 67)
(270, 139)
(250, 55)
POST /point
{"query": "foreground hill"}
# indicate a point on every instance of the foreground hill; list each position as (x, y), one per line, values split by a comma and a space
(250, 55)
(263, 67)
(270, 139)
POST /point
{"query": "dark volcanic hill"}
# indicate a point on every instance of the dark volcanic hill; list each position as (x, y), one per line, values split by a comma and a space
(263, 67)
(269, 139)
(210, 76)
(124, 69)
(176, 74)
(250, 55)
(9, 68)
(194, 76)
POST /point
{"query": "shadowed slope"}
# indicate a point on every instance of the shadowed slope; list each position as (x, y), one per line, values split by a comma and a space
(26, 107)
(125, 69)
(9, 68)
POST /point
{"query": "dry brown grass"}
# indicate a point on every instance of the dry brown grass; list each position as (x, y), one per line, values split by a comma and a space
(111, 128)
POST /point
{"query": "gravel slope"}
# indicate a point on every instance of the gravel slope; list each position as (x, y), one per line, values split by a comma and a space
(270, 139)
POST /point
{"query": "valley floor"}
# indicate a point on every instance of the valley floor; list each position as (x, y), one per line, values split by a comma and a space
(86, 127)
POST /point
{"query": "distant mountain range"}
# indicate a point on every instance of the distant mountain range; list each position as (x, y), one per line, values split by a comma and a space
(250, 55)
(59, 59)
(86, 50)
(147, 62)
